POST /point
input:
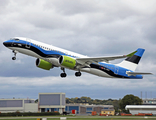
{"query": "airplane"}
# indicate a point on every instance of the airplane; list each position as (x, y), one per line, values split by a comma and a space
(49, 56)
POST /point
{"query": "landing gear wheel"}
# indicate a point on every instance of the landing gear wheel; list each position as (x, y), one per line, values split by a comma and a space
(78, 74)
(13, 58)
(63, 75)
(15, 52)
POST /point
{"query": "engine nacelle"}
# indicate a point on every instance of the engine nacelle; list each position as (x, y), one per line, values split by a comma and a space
(43, 64)
(67, 61)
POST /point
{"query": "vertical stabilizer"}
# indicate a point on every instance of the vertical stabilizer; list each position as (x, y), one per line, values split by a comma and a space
(133, 59)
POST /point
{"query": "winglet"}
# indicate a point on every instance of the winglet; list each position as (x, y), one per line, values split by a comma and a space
(131, 54)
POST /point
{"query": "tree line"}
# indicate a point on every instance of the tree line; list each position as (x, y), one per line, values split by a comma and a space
(119, 105)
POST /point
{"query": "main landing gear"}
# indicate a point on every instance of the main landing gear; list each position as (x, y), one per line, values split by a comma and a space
(78, 74)
(63, 75)
(15, 52)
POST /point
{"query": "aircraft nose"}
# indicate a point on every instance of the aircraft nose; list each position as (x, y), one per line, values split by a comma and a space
(5, 43)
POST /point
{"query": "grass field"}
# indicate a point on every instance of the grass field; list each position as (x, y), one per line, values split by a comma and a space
(109, 119)
(83, 118)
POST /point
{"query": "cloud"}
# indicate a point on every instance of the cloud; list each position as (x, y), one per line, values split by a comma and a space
(86, 85)
(93, 28)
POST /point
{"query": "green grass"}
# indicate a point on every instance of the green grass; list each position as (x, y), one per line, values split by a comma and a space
(22, 119)
(104, 119)
(84, 118)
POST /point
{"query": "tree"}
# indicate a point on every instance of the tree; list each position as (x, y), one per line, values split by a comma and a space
(116, 105)
(129, 100)
(36, 101)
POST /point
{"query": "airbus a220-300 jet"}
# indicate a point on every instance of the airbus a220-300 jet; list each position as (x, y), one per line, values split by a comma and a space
(49, 56)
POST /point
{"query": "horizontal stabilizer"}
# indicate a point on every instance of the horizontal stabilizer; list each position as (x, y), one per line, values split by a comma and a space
(137, 73)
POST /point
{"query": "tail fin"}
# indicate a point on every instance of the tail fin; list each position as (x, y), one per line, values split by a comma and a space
(133, 59)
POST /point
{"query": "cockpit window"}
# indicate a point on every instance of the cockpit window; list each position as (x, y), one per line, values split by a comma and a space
(14, 39)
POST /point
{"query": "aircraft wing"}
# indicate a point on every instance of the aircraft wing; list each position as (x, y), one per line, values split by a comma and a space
(137, 73)
(95, 60)
(87, 61)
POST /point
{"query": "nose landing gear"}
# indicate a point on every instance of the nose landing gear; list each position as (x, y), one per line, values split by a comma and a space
(15, 52)
(13, 58)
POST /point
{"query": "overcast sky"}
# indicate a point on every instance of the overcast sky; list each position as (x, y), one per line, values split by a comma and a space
(89, 27)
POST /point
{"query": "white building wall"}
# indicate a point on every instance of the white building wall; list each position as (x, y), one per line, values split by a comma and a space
(31, 107)
(11, 109)
(16, 105)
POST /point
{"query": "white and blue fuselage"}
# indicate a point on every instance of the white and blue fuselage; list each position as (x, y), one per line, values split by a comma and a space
(83, 63)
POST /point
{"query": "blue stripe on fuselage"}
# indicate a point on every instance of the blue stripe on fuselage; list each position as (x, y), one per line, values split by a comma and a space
(118, 70)
(46, 52)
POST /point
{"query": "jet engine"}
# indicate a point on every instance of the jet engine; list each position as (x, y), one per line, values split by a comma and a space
(43, 64)
(67, 61)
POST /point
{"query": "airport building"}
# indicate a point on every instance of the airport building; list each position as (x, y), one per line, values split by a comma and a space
(51, 102)
(109, 111)
(87, 109)
(149, 101)
(18, 105)
(135, 109)
(148, 106)
(47, 102)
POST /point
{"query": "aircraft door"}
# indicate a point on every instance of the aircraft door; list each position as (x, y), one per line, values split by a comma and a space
(28, 43)
(12, 44)
(116, 70)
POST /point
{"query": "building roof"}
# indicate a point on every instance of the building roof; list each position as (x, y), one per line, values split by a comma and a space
(52, 93)
(107, 110)
(17, 99)
(139, 106)
(82, 105)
